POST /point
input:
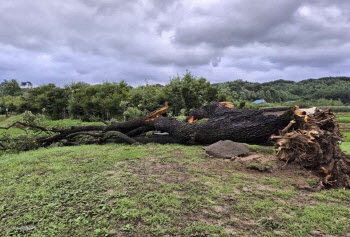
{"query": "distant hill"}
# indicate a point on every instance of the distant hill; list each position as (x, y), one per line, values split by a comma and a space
(330, 88)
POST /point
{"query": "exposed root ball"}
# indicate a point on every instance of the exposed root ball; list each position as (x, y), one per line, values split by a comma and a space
(313, 140)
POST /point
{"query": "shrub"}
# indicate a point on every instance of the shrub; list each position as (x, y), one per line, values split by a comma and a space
(29, 118)
(132, 113)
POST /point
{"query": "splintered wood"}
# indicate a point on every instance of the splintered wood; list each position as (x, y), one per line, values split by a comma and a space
(227, 104)
(158, 112)
(192, 120)
(312, 140)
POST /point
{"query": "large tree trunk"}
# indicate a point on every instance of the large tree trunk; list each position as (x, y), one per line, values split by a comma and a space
(224, 123)
(239, 126)
(250, 126)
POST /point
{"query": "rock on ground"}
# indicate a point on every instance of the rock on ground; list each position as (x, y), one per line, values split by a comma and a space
(226, 149)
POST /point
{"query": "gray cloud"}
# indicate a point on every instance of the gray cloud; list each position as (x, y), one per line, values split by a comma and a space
(234, 22)
(110, 40)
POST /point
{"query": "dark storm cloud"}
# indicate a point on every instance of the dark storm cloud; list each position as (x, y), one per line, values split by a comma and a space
(110, 40)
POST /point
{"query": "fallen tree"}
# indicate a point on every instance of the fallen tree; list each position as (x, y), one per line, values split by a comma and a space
(312, 140)
(224, 123)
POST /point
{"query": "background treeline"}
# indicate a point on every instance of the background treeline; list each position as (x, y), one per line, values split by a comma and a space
(121, 101)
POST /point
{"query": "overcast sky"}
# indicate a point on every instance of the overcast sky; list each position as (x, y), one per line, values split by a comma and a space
(63, 41)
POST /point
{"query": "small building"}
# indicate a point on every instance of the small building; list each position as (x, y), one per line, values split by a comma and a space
(261, 101)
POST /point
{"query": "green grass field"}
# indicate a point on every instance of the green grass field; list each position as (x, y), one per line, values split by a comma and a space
(344, 120)
(157, 190)
(62, 123)
(346, 144)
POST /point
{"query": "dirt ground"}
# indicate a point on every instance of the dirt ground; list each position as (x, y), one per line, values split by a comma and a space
(243, 196)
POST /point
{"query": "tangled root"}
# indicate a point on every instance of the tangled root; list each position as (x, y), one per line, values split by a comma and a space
(313, 140)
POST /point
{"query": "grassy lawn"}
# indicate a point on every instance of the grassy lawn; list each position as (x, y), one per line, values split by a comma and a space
(157, 190)
(62, 123)
(66, 123)
(5, 122)
(343, 117)
(344, 120)
(345, 146)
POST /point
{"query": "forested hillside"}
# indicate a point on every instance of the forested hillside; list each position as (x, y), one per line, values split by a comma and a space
(120, 100)
(330, 88)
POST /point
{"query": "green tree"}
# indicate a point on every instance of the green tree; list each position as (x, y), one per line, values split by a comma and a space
(49, 98)
(147, 98)
(103, 101)
(189, 92)
(9, 88)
